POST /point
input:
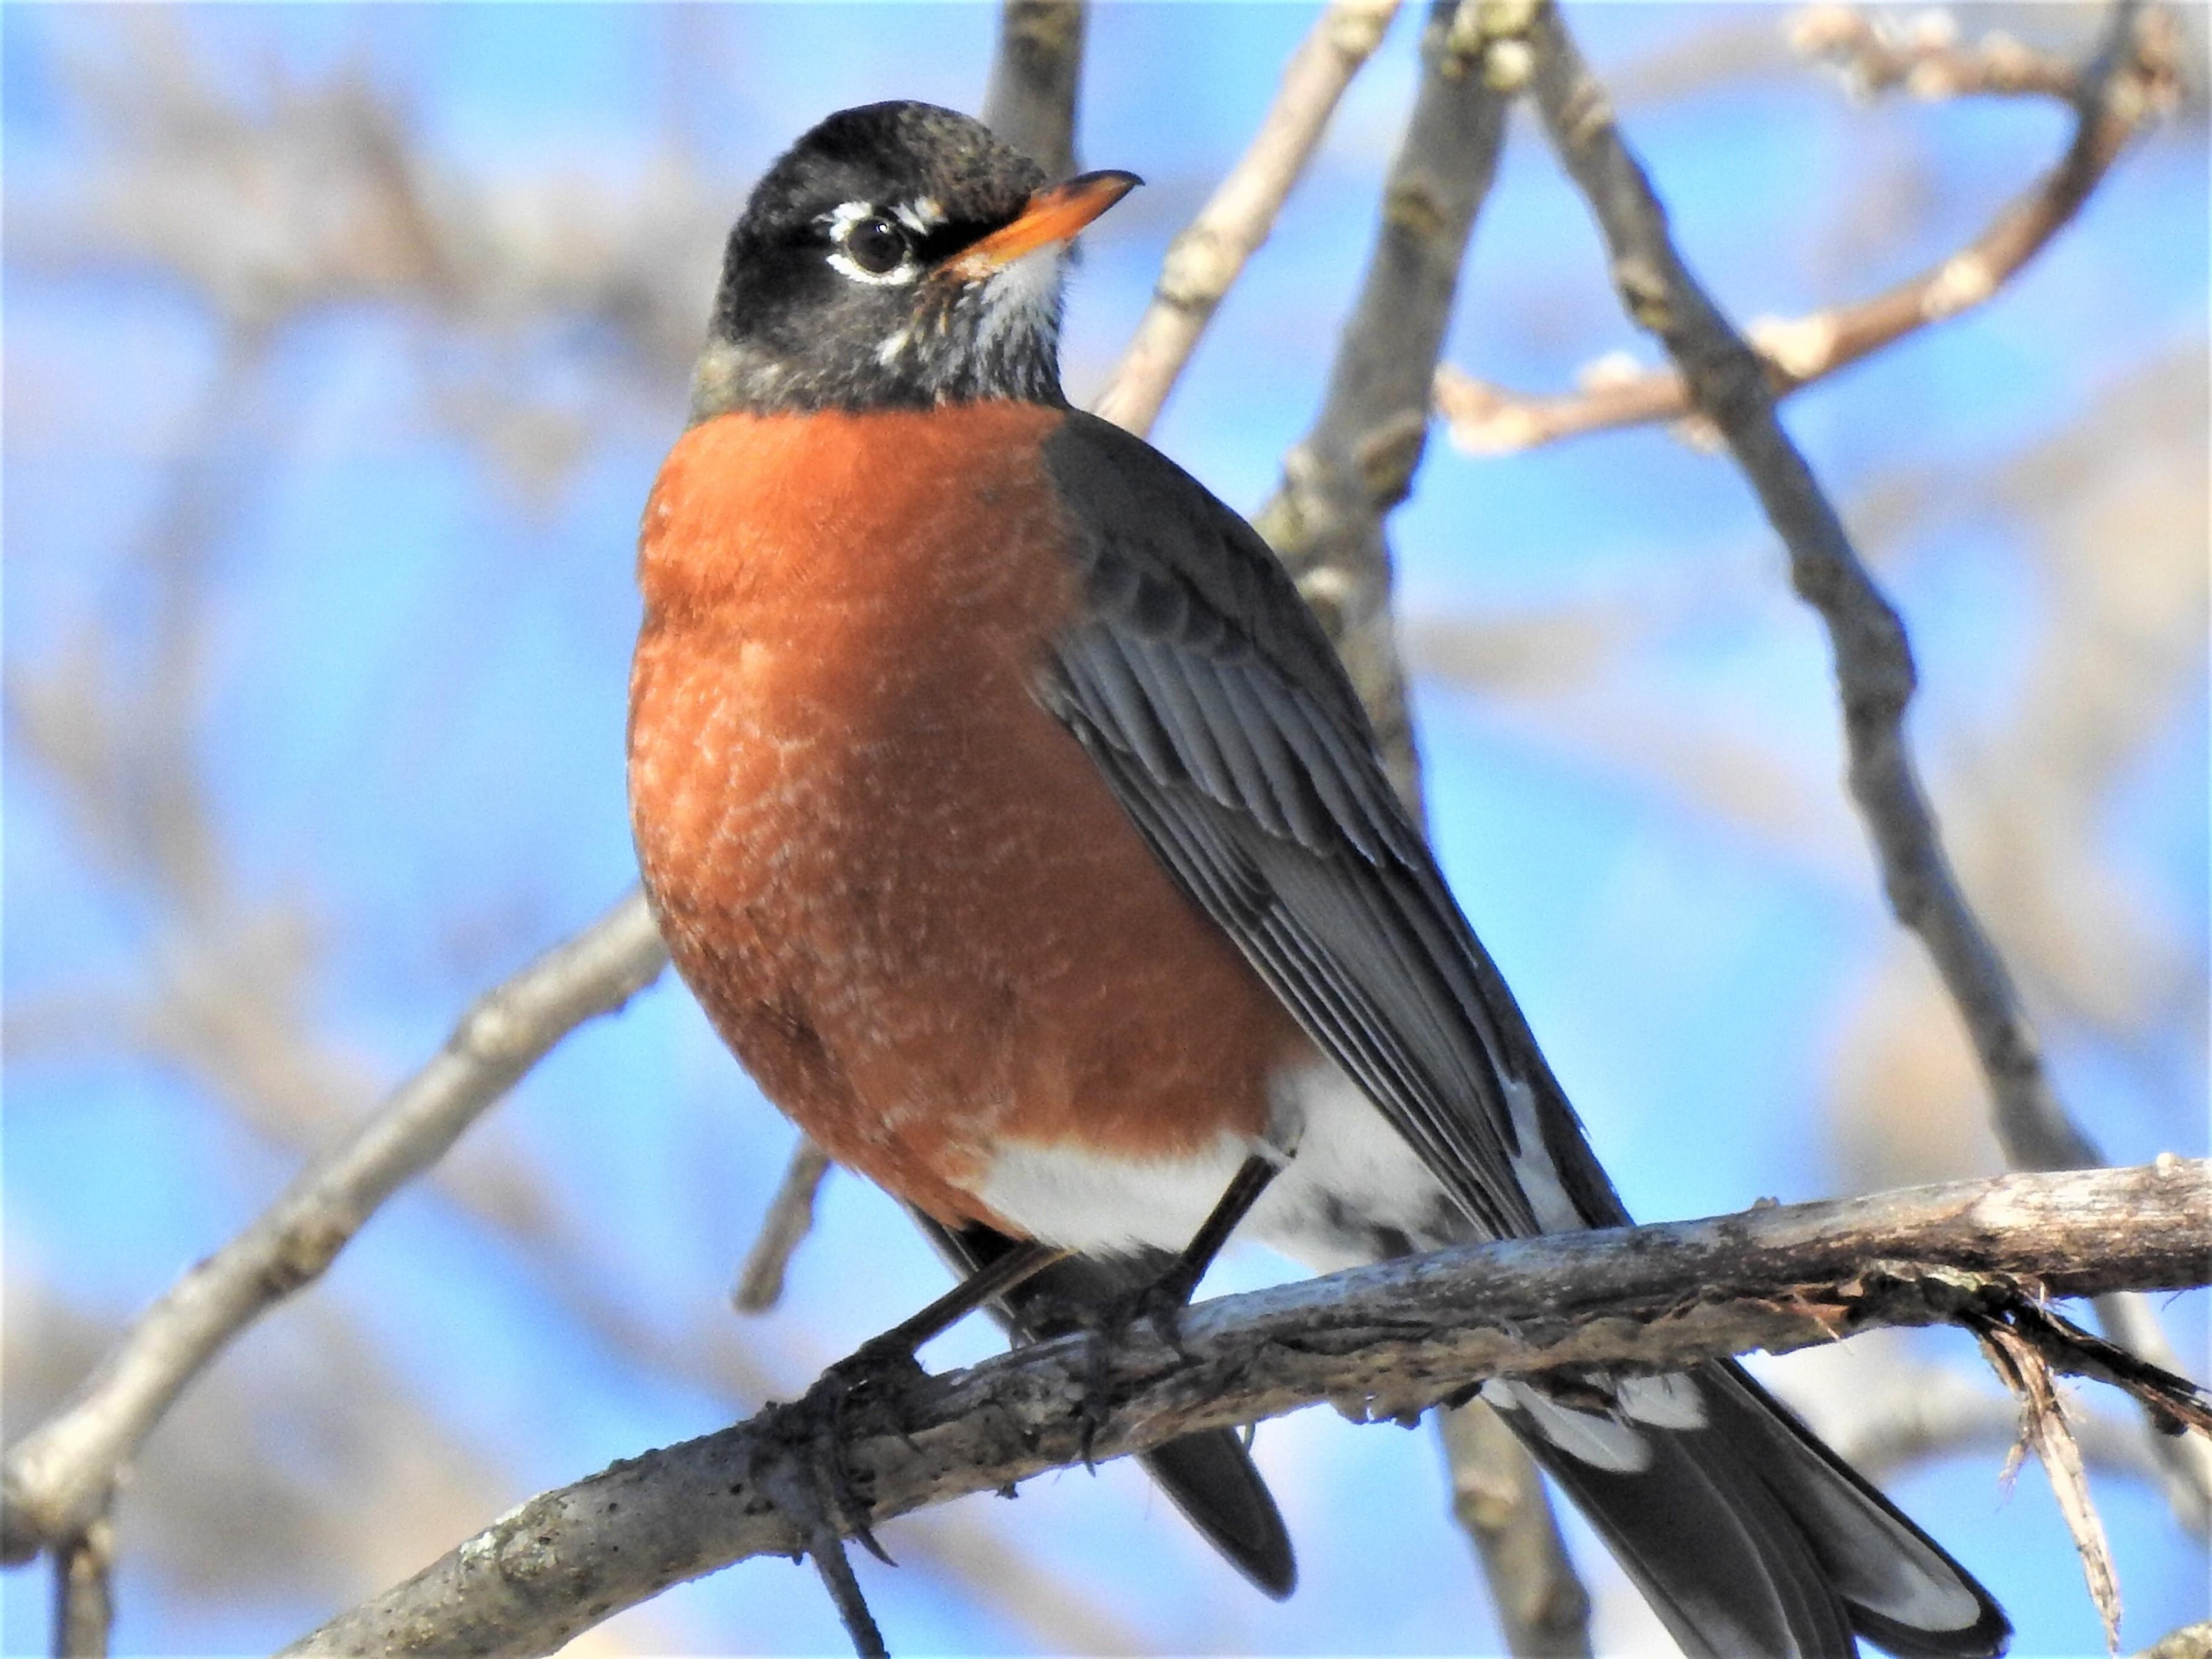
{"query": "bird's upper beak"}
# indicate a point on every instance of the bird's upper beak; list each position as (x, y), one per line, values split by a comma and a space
(1052, 216)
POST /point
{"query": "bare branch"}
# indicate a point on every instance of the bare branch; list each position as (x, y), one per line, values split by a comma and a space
(1924, 55)
(790, 1217)
(2189, 1641)
(2133, 79)
(1036, 78)
(54, 1481)
(1498, 1500)
(1204, 259)
(1874, 664)
(1913, 1412)
(1872, 657)
(1358, 461)
(2184, 1461)
(1377, 1343)
(84, 1600)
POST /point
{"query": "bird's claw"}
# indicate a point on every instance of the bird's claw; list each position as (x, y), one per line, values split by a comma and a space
(1159, 1304)
(809, 1480)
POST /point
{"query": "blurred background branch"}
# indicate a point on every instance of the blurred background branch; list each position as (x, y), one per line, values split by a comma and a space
(2133, 80)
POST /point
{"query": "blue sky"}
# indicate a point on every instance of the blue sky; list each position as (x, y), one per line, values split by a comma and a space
(410, 717)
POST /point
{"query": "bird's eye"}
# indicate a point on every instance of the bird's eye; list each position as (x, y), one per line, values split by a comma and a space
(877, 246)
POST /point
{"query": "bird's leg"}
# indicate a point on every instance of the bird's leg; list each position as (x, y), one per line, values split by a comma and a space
(1025, 1261)
(1172, 1289)
(1161, 1301)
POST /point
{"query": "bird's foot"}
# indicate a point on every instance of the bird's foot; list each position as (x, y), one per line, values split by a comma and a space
(802, 1467)
(1159, 1304)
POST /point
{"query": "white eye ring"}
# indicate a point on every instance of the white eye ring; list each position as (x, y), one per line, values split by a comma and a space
(851, 219)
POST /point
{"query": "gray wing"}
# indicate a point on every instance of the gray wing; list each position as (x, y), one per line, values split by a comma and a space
(1206, 694)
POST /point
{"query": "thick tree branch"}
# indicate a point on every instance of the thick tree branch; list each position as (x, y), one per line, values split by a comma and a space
(56, 1481)
(1380, 1342)
(2134, 77)
(1204, 259)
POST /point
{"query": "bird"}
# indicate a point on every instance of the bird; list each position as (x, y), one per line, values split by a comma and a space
(1013, 822)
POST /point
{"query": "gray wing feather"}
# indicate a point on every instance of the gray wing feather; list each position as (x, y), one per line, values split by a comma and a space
(1218, 715)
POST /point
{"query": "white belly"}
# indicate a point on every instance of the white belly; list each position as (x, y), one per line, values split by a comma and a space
(1351, 1190)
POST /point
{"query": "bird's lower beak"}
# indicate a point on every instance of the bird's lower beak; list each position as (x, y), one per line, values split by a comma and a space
(1052, 216)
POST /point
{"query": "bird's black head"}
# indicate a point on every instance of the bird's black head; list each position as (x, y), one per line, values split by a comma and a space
(898, 256)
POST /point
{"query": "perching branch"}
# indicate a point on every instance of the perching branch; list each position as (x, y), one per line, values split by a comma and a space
(1874, 664)
(56, 1481)
(1204, 260)
(2134, 78)
(1377, 1343)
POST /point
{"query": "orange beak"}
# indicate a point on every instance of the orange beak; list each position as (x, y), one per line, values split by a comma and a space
(1052, 216)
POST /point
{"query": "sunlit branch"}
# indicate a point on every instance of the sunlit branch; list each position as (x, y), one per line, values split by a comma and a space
(1378, 1343)
(56, 1479)
(1204, 259)
(2121, 90)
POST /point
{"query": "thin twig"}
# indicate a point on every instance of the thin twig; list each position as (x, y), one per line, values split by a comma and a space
(790, 1217)
(84, 1599)
(1204, 260)
(1872, 657)
(1035, 78)
(1915, 1413)
(2183, 1461)
(1923, 55)
(1376, 1342)
(2043, 1426)
(54, 1481)
(2135, 78)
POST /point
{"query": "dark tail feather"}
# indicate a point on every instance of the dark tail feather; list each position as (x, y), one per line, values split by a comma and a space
(1751, 1538)
(1210, 1477)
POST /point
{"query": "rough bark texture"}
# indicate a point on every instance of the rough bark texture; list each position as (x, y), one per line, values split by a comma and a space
(1379, 1342)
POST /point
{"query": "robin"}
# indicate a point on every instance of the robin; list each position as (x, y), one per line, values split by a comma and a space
(1014, 823)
